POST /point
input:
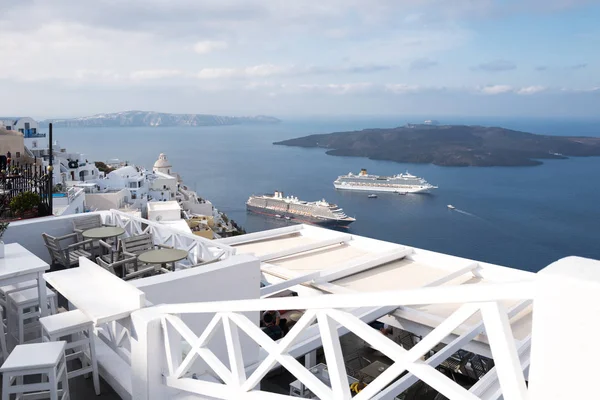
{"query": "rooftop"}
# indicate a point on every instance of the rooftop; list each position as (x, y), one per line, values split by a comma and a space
(194, 332)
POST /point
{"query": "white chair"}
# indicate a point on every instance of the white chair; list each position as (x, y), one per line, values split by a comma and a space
(80, 329)
(47, 359)
(24, 313)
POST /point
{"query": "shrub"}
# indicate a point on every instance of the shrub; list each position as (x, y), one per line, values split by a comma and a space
(24, 202)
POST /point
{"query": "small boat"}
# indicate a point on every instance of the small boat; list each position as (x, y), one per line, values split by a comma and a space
(277, 216)
(402, 193)
(288, 218)
(372, 196)
(450, 206)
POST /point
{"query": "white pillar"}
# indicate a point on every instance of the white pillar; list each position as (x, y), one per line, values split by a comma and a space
(148, 359)
(310, 359)
(566, 331)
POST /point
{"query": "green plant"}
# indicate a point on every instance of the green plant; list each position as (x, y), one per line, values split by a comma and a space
(24, 202)
(3, 228)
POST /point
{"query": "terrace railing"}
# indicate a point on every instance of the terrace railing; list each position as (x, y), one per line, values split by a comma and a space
(327, 317)
(18, 178)
(200, 250)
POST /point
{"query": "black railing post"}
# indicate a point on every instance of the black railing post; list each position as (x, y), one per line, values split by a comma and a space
(50, 170)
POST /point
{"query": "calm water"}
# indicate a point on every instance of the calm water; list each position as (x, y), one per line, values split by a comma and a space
(520, 217)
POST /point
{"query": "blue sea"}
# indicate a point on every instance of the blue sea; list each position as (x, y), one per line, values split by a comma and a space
(522, 217)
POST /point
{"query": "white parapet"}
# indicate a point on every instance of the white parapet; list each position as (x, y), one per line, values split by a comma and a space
(566, 325)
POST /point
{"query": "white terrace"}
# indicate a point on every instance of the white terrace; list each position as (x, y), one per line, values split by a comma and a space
(194, 333)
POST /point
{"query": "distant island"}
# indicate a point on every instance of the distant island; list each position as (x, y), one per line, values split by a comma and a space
(451, 145)
(151, 118)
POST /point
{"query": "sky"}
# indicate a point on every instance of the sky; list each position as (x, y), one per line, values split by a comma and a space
(68, 58)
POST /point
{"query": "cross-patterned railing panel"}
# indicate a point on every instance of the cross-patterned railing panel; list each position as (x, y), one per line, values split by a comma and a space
(329, 313)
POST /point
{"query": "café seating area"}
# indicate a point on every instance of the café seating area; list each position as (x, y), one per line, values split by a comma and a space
(39, 336)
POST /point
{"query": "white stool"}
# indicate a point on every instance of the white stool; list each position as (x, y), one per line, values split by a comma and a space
(24, 312)
(80, 328)
(8, 289)
(47, 359)
(3, 348)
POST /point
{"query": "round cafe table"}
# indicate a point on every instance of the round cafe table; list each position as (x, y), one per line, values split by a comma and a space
(103, 232)
(163, 257)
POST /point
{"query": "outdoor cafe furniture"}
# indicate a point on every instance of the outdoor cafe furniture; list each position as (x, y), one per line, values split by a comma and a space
(19, 265)
(79, 328)
(65, 254)
(123, 269)
(138, 245)
(87, 222)
(163, 257)
(3, 346)
(23, 315)
(47, 359)
(86, 288)
(103, 233)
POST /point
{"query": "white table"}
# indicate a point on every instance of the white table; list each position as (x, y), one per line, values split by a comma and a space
(99, 294)
(20, 265)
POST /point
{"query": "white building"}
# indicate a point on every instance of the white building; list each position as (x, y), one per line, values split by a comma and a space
(132, 179)
(25, 125)
(163, 187)
(168, 213)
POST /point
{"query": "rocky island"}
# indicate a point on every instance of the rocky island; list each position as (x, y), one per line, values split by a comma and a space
(151, 118)
(451, 145)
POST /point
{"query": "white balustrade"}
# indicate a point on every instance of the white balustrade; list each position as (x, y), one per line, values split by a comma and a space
(328, 316)
(199, 249)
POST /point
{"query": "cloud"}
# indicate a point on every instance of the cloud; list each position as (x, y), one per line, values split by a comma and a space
(531, 90)
(271, 70)
(422, 64)
(155, 74)
(496, 66)
(504, 89)
(217, 73)
(208, 46)
(402, 88)
(337, 88)
(496, 89)
(578, 66)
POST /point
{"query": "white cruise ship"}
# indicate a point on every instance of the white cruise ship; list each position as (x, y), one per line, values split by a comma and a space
(401, 183)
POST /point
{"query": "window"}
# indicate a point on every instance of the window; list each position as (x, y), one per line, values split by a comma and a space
(18, 154)
(27, 125)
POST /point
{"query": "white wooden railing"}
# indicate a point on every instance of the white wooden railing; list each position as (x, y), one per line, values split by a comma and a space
(199, 249)
(328, 316)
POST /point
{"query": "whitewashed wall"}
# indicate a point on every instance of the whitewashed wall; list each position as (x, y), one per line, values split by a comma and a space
(29, 232)
(107, 201)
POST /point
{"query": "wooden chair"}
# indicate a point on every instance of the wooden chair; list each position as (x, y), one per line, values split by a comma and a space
(136, 245)
(124, 272)
(121, 264)
(82, 224)
(63, 254)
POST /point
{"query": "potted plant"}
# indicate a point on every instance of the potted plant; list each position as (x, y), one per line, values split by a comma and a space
(24, 202)
(3, 228)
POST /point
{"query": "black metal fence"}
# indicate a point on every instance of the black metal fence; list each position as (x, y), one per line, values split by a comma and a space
(18, 178)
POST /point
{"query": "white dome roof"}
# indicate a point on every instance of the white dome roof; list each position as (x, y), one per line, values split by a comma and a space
(162, 162)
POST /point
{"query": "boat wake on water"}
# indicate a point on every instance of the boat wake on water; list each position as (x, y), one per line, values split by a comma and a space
(466, 213)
